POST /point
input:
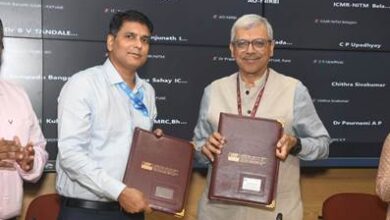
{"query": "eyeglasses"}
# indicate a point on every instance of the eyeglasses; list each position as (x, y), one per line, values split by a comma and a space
(256, 43)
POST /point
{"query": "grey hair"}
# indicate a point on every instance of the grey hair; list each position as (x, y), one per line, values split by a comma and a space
(248, 21)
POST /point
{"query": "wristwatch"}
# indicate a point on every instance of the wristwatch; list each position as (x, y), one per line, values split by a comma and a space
(297, 148)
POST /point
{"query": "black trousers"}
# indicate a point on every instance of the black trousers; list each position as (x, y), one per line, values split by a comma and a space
(77, 209)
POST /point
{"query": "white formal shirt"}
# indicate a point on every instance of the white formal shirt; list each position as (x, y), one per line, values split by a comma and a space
(96, 121)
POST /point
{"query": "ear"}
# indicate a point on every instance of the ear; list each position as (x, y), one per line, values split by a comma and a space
(272, 48)
(110, 42)
(231, 50)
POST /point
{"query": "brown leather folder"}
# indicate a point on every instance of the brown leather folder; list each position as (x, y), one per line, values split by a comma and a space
(247, 169)
(161, 169)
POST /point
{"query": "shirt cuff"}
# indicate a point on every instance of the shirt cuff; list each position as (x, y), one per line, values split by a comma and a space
(114, 188)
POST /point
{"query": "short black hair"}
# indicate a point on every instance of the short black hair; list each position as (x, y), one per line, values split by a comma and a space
(129, 15)
(1, 35)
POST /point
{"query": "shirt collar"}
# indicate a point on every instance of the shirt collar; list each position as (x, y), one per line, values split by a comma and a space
(258, 83)
(114, 77)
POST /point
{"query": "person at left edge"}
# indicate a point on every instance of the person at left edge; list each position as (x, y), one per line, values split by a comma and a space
(97, 112)
(22, 145)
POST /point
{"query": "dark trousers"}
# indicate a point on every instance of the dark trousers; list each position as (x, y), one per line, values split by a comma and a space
(76, 209)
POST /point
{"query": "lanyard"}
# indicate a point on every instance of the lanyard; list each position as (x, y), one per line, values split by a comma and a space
(258, 99)
(135, 98)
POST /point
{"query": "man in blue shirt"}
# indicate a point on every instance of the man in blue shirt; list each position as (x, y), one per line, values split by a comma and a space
(97, 112)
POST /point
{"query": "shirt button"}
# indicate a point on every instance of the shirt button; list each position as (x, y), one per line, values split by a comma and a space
(247, 92)
(249, 112)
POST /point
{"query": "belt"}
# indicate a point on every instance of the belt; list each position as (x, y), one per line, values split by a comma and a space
(88, 204)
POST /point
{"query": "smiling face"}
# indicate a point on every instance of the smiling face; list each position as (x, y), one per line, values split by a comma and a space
(252, 60)
(128, 50)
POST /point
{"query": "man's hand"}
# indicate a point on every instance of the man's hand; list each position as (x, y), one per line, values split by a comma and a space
(158, 132)
(9, 151)
(213, 145)
(6, 165)
(284, 145)
(26, 160)
(12, 150)
(133, 201)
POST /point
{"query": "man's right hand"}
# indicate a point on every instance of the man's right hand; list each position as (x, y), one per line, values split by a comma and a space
(133, 201)
(9, 150)
(213, 145)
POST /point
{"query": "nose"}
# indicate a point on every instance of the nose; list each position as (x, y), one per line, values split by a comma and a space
(251, 48)
(138, 43)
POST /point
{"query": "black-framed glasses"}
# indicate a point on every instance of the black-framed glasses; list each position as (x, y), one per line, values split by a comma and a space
(256, 43)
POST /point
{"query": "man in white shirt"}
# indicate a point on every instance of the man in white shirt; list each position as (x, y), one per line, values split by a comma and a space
(98, 110)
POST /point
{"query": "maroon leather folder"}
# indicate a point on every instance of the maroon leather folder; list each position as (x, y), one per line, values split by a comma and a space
(247, 169)
(161, 169)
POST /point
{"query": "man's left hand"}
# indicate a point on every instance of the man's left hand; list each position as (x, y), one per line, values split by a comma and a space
(158, 132)
(26, 157)
(284, 146)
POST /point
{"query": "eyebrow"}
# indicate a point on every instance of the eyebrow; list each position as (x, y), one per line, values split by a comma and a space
(130, 32)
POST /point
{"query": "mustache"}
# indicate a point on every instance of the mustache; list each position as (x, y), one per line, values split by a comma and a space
(252, 57)
(135, 53)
